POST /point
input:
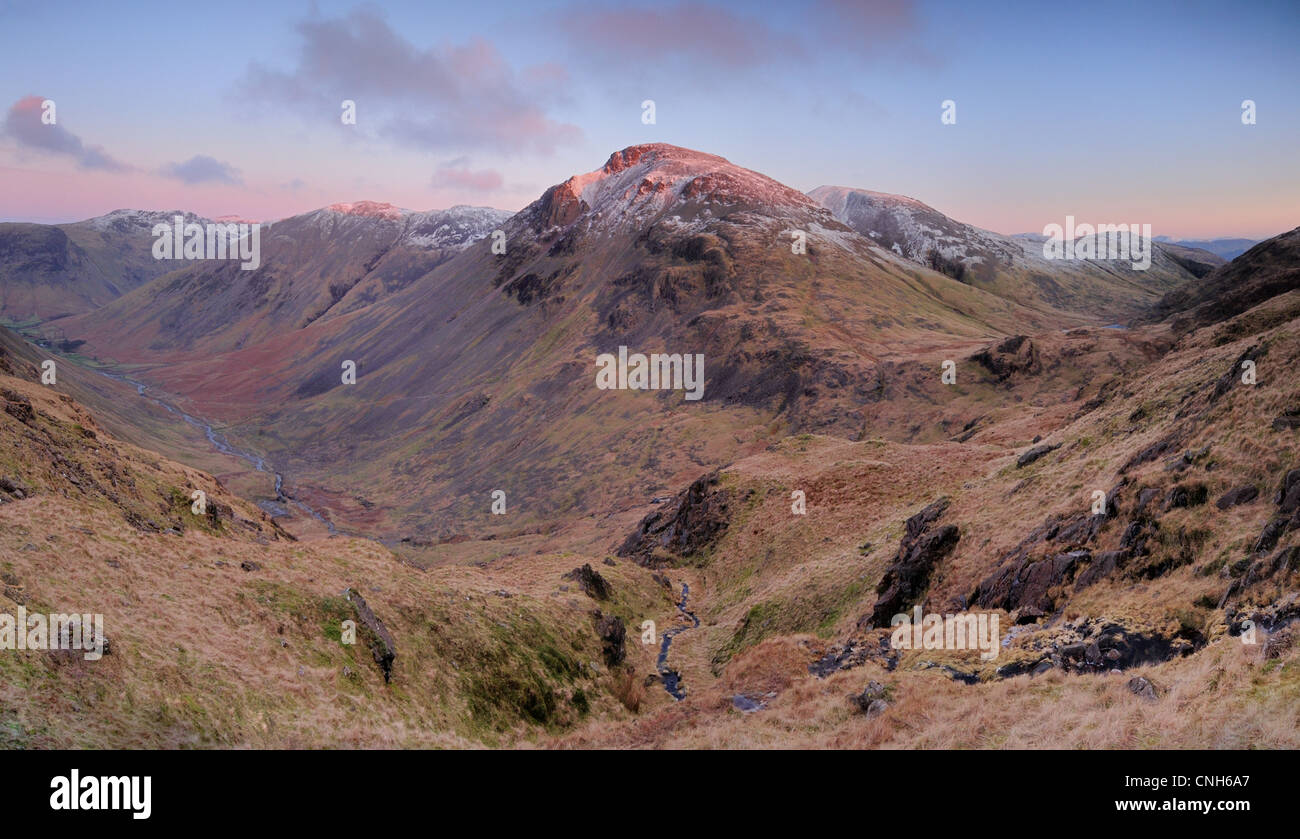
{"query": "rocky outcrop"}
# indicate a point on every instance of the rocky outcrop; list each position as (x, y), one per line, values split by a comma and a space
(1237, 496)
(382, 645)
(613, 637)
(1186, 495)
(1016, 354)
(921, 549)
(17, 406)
(1232, 376)
(685, 526)
(1034, 454)
(590, 581)
(1031, 587)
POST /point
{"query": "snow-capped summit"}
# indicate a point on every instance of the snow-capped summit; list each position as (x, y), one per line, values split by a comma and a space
(646, 181)
(128, 221)
(456, 226)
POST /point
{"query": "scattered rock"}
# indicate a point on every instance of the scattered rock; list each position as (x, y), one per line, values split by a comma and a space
(1035, 453)
(249, 565)
(1143, 687)
(872, 701)
(1187, 495)
(1238, 495)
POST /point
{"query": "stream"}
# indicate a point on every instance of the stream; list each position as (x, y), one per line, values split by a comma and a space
(671, 678)
(273, 508)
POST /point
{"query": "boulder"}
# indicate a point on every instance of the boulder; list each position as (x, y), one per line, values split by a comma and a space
(1143, 687)
(1035, 453)
(1237, 496)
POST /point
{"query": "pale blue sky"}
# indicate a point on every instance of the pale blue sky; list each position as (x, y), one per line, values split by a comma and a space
(1112, 112)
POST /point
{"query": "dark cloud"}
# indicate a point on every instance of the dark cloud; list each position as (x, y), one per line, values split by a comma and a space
(23, 124)
(464, 97)
(202, 169)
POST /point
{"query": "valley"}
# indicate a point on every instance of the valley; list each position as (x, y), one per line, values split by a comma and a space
(477, 371)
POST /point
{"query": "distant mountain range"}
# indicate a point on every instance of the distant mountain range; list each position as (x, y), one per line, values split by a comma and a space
(1227, 248)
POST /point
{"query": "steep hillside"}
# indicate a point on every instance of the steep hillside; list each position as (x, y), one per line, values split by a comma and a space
(49, 271)
(1267, 270)
(222, 630)
(480, 375)
(1165, 616)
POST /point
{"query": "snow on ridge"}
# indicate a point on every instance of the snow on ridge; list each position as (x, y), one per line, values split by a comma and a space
(125, 219)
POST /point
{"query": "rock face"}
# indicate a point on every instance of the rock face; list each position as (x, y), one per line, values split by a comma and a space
(1030, 586)
(920, 550)
(382, 645)
(590, 581)
(1014, 355)
(613, 634)
(690, 523)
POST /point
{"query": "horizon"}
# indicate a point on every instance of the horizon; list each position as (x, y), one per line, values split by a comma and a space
(492, 111)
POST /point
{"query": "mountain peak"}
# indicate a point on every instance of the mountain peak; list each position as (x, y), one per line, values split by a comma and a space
(647, 180)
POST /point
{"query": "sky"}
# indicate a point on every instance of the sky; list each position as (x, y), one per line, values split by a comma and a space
(1111, 112)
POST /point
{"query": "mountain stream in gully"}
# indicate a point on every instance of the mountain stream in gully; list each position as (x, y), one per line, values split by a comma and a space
(273, 508)
(671, 678)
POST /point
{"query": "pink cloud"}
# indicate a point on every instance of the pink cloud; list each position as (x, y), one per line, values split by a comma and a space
(461, 177)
